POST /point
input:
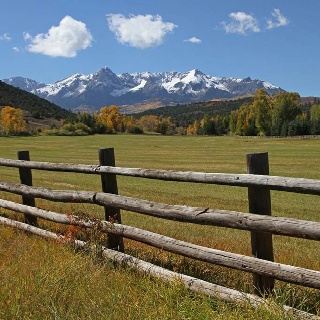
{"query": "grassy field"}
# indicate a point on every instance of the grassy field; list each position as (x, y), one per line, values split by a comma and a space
(45, 281)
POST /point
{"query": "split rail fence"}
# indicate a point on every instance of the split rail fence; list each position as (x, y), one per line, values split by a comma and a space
(258, 221)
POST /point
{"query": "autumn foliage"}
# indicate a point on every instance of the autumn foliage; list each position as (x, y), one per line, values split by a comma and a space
(111, 117)
(110, 120)
(277, 115)
(12, 120)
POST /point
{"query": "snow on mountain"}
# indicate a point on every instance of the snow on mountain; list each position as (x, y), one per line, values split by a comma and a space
(140, 86)
(24, 83)
(105, 88)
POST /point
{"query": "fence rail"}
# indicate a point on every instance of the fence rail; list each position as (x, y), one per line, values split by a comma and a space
(297, 185)
(215, 217)
(259, 222)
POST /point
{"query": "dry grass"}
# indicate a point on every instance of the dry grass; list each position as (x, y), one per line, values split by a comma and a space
(43, 280)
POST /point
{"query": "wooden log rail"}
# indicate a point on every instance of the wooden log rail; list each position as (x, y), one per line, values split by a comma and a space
(215, 217)
(297, 185)
(301, 276)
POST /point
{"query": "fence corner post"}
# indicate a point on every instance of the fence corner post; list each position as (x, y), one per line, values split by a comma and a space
(109, 185)
(260, 203)
(26, 178)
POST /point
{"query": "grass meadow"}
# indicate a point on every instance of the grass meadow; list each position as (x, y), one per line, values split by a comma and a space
(43, 280)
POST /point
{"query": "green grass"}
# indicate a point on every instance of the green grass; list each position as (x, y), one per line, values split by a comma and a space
(56, 274)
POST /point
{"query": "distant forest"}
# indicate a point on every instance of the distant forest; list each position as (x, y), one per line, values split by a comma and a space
(186, 114)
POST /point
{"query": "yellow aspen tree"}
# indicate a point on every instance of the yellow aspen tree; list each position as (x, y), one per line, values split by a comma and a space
(193, 128)
(164, 125)
(112, 118)
(12, 120)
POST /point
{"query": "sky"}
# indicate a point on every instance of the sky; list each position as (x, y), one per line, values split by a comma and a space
(274, 41)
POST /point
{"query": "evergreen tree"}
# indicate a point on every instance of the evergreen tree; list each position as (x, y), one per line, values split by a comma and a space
(285, 109)
(315, 126)
(207, 125)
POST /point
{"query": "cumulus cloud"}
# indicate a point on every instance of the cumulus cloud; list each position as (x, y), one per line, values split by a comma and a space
(141, 31)
(193, 40)
(5, 36)
(16, 49)
(280, 20)
(64, 40)
(241, 22)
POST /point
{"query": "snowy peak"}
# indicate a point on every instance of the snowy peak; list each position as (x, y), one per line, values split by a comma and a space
(104, 87)
(24, 83)
(193, 76)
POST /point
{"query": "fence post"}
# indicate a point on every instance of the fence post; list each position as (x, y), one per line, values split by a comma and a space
(26, 178)
(260, 203)
(109, 185)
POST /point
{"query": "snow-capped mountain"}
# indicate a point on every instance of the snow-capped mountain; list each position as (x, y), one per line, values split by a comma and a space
(24, 83)
(105, 88)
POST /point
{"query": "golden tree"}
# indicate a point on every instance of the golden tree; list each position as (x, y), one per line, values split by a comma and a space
(12, 120)
(112, 118)
(193, 128)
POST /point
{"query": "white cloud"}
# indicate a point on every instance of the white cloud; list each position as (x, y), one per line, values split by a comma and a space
(64, 40)
(141, 31)
(281, 20)
(16, 49)
(27, 36)
(242, 23)
(193, 40)
(6, 37)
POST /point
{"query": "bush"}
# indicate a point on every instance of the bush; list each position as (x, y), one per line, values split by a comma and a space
(135, 129)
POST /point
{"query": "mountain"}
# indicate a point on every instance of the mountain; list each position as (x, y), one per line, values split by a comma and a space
(24, 83)
(105, 88)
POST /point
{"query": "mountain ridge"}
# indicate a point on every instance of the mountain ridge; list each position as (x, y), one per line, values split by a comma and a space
(104, 87)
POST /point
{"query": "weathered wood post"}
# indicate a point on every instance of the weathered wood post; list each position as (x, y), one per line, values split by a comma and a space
(26, 178)
(260, 203)
(109, 185)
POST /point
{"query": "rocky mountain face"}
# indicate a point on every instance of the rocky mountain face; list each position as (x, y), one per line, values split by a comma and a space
(105, 88)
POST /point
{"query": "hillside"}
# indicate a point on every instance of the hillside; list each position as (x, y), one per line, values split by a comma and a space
(186, 114)
(35, 107)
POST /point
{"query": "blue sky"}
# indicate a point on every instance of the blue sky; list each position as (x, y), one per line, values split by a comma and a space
(275, 41)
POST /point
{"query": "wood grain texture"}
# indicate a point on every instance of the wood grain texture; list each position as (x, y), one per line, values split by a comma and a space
(222, 218)
(297, 185)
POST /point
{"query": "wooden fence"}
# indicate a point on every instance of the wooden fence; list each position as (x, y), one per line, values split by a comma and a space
(258, 221)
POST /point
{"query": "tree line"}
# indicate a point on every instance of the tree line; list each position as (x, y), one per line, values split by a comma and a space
(262, 115)
(107, 121)
(265, 115)
(278, 115)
